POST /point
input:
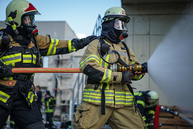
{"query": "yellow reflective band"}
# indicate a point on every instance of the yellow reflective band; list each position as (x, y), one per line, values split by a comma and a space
(141, 102)
(151, 112)
(98, 99)
(138, 94)
(74, 49)
(107, 76)
(34, 59)
(52, 48)
(69, 46)
(27, 58)
(4, 97)
(91, 57)
(8, 78)
(138, 77)
(144, 118)
(11, 59)
(30, 96)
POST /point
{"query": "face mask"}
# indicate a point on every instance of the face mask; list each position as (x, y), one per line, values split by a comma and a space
(120, 29)
(29, 25)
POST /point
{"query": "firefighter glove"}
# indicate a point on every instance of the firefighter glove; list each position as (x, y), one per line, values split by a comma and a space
(81, 43)
(5, 70)
(126, 77)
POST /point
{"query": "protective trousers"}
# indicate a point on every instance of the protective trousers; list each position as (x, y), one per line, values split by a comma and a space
(23, 116)
(49, 119)
(88, 116)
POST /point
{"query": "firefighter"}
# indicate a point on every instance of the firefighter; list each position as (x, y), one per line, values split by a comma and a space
(39, 96)
(146, 103)
(22, 46)
(49, 109)
(108, 93)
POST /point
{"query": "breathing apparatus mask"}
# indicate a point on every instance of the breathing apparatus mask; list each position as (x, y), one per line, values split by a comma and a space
(120, 29)
(29, 25)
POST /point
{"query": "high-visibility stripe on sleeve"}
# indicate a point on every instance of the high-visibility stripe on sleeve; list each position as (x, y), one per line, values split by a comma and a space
(91, 57)
(52, 48)
(71, 47)
(151, 112)
(107, 76)
(4, 97)
(141, 102)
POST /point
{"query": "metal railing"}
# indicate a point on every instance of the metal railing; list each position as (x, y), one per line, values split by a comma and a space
(79, 83)
(97, 29)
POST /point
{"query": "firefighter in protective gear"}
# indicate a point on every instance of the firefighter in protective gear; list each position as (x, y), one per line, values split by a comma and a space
(108, 96)
(146, 103)
(25, 48)
(50, 104)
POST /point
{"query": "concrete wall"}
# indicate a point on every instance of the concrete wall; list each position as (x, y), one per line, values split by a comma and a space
(149, 24)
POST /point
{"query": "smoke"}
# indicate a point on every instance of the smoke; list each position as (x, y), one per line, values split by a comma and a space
(171, 64)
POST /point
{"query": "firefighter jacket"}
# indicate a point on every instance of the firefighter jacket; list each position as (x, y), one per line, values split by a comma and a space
(49, 104)
(147, 111)
(22, 54)
(98, 73)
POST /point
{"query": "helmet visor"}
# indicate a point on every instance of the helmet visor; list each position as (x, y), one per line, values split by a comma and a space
(119, 24)
(29, 20)
(153, 101)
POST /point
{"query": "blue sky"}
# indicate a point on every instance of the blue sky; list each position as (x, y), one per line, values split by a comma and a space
(81, 15)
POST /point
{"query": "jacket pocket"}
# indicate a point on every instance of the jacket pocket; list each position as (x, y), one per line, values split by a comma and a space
(86, 115)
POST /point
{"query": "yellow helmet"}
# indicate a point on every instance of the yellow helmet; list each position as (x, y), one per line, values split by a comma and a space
(16, 9)
(115, 12)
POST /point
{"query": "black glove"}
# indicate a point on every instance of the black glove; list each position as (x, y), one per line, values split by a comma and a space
(5, 70)
(81, 43)
(126, 77)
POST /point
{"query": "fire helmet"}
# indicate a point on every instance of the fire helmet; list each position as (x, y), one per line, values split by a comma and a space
(117, 15)
(17, 9)
(115, 12)
(152, 97)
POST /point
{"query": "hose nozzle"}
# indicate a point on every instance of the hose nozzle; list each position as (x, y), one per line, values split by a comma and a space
(134, 67)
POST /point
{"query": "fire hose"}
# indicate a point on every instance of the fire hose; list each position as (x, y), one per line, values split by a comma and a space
(177, 114)
(135, 67)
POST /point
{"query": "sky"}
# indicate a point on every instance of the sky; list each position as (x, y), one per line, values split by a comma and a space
(80, 15)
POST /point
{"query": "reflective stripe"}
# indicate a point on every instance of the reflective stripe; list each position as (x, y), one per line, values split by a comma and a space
(144, 118)
(107, 76)
(8, 78)
(11, 59)
(111, 97)
(27, 58)
(4, 97)
(52, 48)
(30, 97)
(71, 47)
(125, 98)
(34, 59)
(138, 93)
(151, 112)
(91, 57)
(141, 102)
(138, 77)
